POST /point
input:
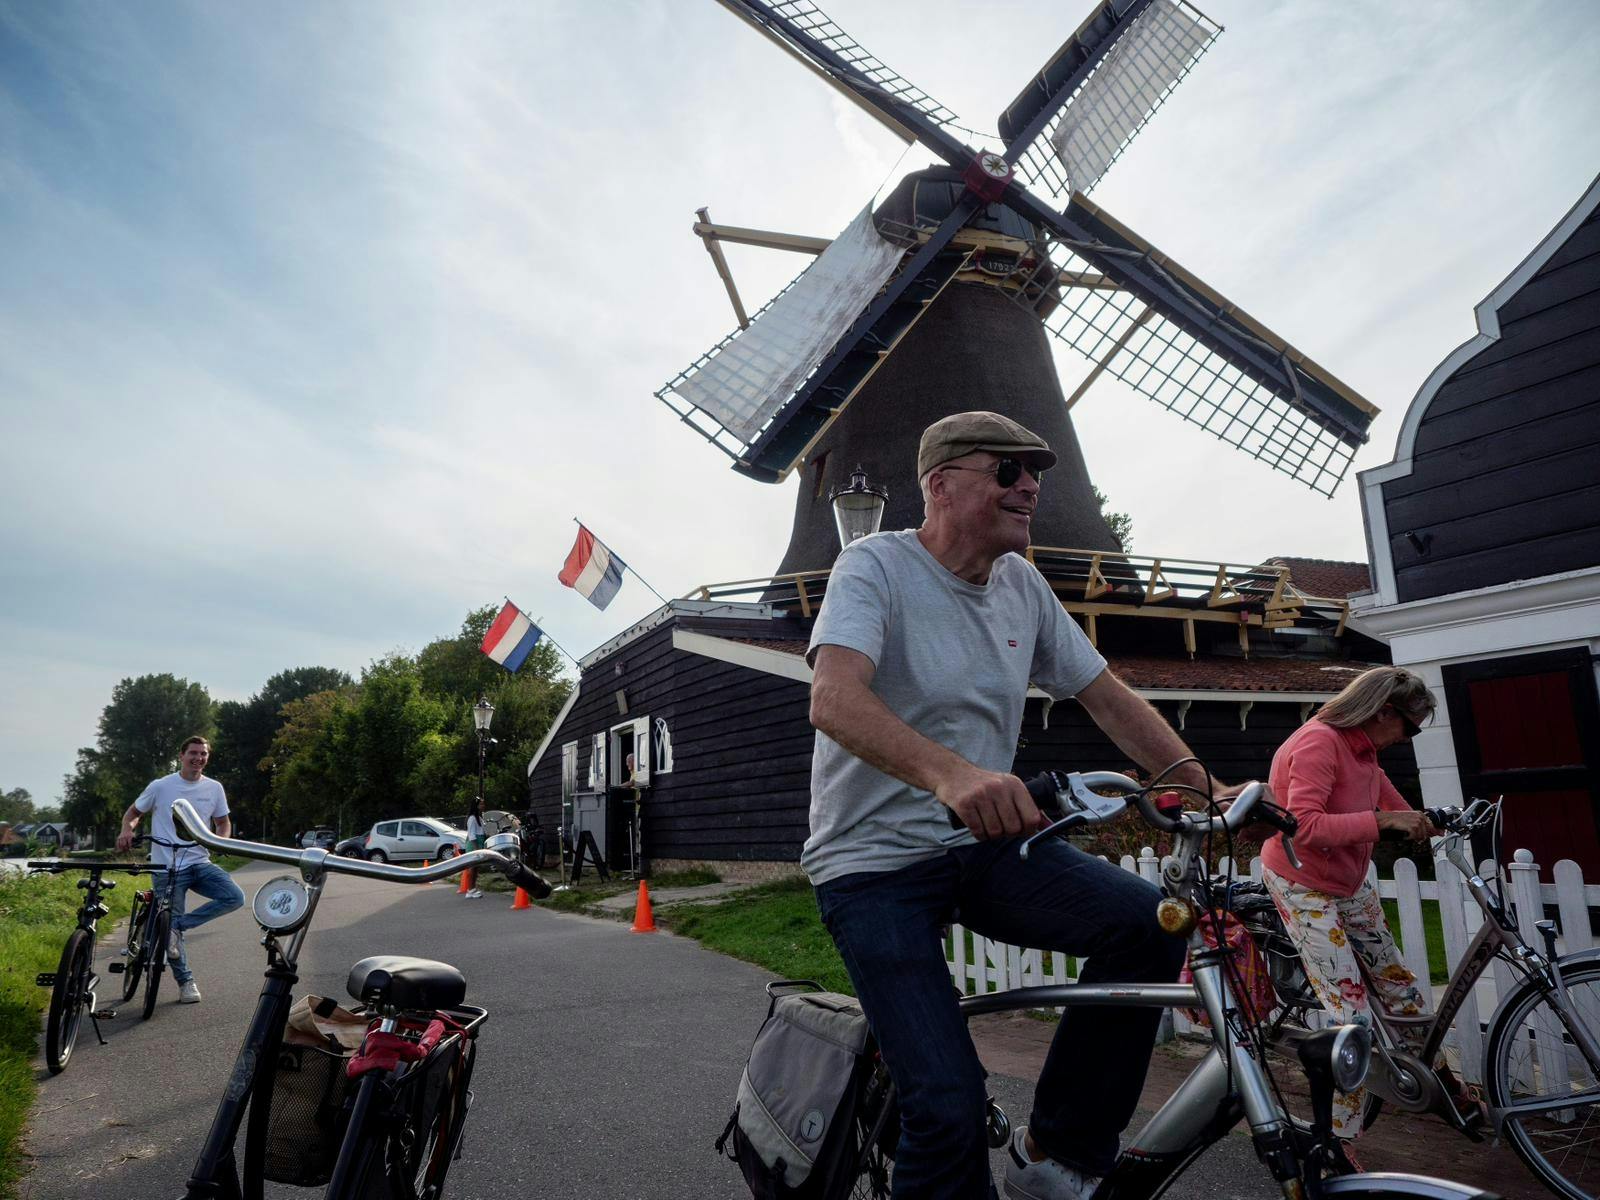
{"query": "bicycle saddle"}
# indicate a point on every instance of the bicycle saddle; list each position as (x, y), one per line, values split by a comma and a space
(409, 983)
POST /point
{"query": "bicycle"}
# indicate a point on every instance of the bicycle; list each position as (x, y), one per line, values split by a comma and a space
(72, 984)
(1541, 1058)
(149, 929)
(387, 1123)
(1232, 1082)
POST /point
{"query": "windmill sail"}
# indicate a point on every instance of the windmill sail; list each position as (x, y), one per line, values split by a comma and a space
(749, 376)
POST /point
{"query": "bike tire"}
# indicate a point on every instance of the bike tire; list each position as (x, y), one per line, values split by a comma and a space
(1552, 1149)
(67, 1000)
(133, 960)
(156, 953)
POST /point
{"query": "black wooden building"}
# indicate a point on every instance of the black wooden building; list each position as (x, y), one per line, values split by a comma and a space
(710, 696)
(1485, 540)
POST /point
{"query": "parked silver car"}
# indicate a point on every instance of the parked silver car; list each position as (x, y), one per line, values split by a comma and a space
(414, 839)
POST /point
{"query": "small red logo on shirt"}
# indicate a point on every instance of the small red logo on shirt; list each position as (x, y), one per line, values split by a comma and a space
(1012, 643)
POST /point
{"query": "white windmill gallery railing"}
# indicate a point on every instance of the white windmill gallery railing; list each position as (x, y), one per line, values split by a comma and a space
(980, 965)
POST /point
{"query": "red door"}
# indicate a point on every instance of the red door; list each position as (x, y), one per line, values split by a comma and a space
(1527, 728)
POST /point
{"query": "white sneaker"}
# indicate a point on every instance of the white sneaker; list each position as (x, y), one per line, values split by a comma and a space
(475, 894)
(1043, 1180)
(189, 993)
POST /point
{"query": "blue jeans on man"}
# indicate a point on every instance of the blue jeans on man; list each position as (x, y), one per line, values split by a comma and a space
(219, 889)
(887, 927)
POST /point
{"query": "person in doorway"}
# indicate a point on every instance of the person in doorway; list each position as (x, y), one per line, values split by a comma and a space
(922, 656)
(1327, 774)
(196, 871)
(474, 842)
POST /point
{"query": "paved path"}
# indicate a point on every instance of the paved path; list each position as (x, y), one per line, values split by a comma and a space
(607, 1069)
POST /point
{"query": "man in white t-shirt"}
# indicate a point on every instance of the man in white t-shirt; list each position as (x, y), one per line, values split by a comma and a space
(922, 655)
(196, 871)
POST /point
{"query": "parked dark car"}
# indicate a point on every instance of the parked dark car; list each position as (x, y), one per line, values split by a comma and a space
(353, 847)
(321, 836)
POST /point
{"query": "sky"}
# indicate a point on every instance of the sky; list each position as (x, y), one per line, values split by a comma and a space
(321, 322)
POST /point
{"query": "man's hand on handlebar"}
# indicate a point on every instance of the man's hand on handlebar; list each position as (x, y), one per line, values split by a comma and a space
(990, 804)
(1410, 823)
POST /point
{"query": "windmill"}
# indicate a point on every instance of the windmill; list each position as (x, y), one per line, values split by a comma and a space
(940, 299)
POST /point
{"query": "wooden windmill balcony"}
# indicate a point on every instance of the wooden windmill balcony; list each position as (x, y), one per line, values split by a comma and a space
(1103, 584)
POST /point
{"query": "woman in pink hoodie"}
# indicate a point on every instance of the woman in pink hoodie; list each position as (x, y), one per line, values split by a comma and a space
(1328, 775)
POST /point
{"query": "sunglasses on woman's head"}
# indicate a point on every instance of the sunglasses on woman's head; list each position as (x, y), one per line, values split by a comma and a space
(1006, 472)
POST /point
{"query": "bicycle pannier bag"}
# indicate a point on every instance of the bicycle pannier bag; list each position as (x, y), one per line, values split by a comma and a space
(793, 1132)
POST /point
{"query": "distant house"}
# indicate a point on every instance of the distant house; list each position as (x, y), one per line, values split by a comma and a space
(711, 697)
(1484, 535)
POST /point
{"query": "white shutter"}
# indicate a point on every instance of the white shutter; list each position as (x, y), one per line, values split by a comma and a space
(641, 751)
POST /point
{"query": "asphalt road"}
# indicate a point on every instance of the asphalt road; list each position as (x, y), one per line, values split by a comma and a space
(607, 1067)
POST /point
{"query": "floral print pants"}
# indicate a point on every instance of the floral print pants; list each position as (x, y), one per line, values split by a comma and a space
(1330, 932)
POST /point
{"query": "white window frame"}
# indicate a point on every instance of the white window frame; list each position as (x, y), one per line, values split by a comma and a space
(660, 746)
(640, 728)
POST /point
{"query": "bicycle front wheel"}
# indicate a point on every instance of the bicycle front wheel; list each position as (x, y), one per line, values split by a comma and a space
(67, 999)
(156, 958)
(1533, 1060)
(133, 958)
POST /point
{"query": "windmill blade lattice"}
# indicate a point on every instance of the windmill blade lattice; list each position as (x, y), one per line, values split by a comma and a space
(815, 24)
(1131, 341)
(1099, 120)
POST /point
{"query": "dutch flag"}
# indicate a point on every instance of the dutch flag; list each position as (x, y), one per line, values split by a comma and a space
(510, 638)
(592, 570)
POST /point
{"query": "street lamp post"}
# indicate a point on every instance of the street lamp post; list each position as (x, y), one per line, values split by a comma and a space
(482, 714)
(858, 508)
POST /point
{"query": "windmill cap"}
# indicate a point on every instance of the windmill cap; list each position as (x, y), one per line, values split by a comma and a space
(962, 433)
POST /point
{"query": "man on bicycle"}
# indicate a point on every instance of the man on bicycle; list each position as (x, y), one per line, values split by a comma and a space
(196, 871)
(922, 655)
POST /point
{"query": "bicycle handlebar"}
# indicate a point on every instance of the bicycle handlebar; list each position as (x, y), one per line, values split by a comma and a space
(319, 859)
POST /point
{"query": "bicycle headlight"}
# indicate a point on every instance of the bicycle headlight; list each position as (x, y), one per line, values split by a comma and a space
(508, 844)
(282, 904)
(1350, 1057)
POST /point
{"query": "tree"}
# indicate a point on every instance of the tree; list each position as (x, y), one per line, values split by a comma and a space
(1121, 523)
(245, 732)
(307, 774)
(16, 806)
(148, 717)
(93, 795)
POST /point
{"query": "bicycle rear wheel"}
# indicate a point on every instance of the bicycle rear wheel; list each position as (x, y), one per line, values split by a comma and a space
(156, 955)
(67, 999)
(1531, 1058)
(133, 958)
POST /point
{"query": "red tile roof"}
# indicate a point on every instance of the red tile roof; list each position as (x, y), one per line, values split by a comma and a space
(1326, 576)
(1202, 674)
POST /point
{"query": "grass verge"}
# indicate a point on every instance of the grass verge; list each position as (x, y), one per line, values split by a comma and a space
(36, 915)
(775, 926)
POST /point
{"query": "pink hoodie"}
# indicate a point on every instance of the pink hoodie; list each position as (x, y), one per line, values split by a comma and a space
(1330, 780)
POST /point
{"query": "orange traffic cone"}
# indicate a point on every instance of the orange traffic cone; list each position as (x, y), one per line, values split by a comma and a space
(644, 921)
(426, 882)
(466, 883)
(522, 901)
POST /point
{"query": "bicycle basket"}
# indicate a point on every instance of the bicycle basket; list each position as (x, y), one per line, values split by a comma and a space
(308, 1116)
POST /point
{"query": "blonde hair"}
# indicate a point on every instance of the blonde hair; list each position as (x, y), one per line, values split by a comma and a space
(1368, 692)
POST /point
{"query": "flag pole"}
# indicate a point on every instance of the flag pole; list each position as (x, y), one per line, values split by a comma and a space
(635, 571)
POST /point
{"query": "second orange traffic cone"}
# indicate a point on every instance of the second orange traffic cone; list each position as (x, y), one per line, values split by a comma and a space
(522, 901)
(426, 882)
(466, 883)
(644, 920)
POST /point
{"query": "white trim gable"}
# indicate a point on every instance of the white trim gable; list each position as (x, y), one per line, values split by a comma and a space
(1384, 591)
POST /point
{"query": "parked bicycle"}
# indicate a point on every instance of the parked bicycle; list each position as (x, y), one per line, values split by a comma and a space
(150, 929)
(72, 984)
(1233, 1081)
(386, 1123)
(1541, 1057)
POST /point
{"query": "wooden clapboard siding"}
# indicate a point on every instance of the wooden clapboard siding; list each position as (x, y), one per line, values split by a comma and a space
(1503, 483)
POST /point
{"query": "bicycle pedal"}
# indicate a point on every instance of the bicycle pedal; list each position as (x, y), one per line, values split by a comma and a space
(45, 979)
(104, 1014)
(116, 968)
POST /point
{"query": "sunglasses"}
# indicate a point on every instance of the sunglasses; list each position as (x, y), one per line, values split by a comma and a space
(1409, 727)
(1006, 472)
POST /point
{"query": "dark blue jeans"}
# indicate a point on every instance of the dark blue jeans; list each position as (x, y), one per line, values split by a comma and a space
(886, 925)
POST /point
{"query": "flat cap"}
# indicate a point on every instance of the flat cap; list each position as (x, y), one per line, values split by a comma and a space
(962, 433)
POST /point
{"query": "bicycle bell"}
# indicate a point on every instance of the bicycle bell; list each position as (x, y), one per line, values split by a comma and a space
(282, 904)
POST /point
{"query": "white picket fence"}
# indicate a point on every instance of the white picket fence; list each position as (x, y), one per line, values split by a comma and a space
(980, 965)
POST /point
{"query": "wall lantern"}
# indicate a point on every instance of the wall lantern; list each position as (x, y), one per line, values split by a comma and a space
(858, 508)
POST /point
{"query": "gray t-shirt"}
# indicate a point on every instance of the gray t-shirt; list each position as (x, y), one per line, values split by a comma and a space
(953, 662)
